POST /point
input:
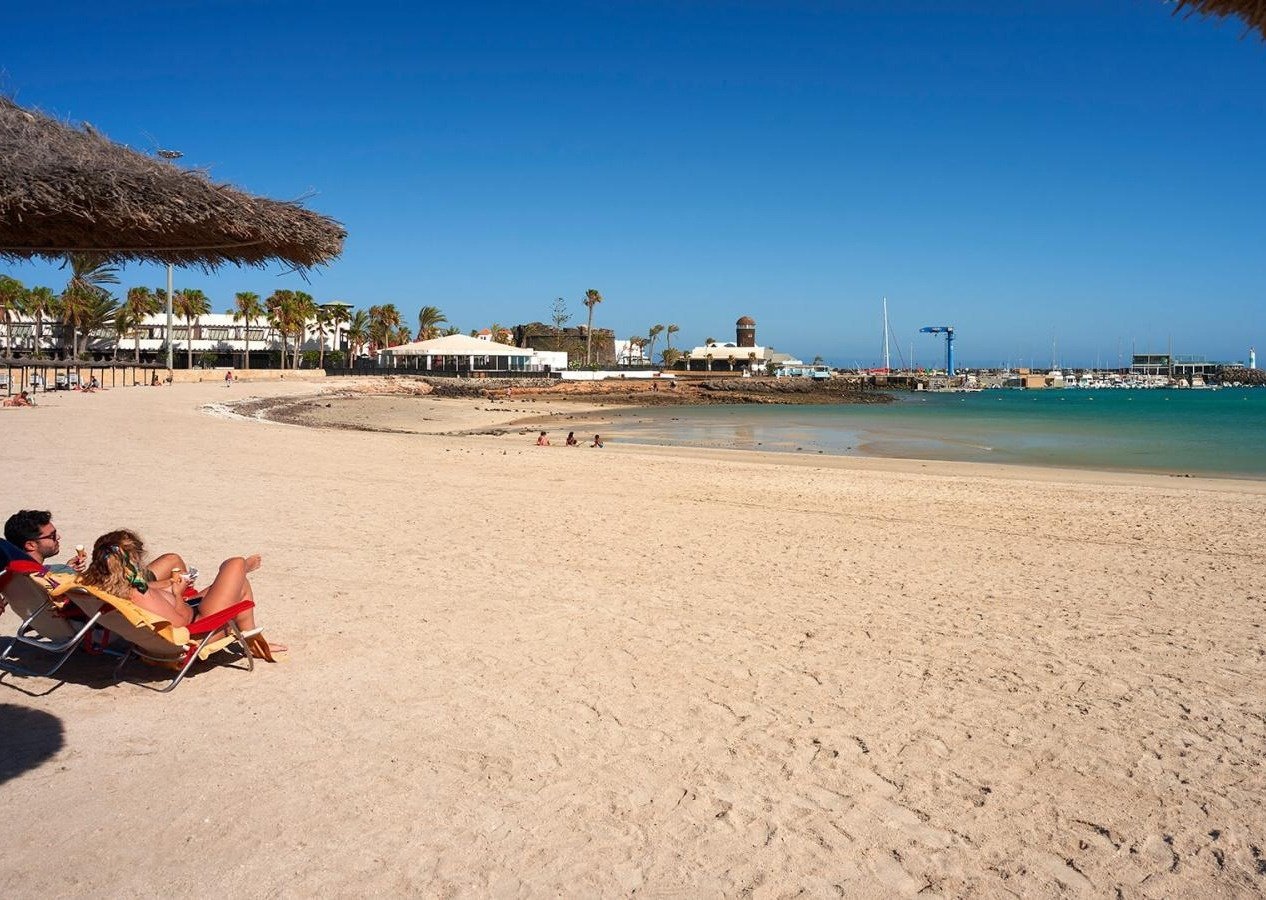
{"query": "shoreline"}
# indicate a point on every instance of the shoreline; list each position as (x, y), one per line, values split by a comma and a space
(581, 414)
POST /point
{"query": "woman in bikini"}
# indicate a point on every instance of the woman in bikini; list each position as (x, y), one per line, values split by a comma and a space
(117, 567)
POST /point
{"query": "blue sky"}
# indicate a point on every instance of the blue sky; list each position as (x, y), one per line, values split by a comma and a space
(1083, 172)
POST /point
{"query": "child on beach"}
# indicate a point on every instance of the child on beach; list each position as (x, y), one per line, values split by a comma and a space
(571, 439)
(542, 441)
(597, 441)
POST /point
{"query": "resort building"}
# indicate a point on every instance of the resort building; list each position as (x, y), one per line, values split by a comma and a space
(215, 338)
(743, 355)
(462, 354)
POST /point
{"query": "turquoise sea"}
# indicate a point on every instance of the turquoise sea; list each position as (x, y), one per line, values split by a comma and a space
(1204, 432)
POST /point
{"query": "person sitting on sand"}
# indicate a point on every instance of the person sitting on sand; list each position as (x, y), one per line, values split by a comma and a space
(19, 399)
(33, 531)
(571, 439)
(153, 381)
(93, 384)
(116, 567)
(542, 441)
(597, 441)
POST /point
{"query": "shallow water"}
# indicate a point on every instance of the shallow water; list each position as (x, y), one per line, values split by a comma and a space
(1203, 432)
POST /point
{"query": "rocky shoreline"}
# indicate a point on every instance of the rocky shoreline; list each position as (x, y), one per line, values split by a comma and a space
(654, 392)
(306, 411)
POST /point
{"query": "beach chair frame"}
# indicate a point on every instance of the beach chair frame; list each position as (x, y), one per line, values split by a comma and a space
(198, 640)
(207, 629)
(29, 633)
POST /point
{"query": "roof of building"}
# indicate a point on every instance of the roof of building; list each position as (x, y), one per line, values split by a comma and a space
(746, 320)
(727, 351)
(457, 345)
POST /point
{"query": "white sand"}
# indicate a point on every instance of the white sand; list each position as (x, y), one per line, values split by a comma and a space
(520, 671)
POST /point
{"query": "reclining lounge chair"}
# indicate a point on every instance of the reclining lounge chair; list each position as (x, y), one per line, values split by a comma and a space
(49, 624)
(155, 640)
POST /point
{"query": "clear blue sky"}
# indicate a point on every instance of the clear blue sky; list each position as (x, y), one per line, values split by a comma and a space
(1083, 171)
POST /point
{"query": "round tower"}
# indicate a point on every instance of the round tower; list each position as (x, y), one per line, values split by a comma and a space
(745, 332)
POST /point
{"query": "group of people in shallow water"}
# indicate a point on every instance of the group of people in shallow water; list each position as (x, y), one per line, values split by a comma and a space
(543, 440)
(117, 565)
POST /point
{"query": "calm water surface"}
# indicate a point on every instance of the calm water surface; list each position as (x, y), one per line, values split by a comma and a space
(1220, 432)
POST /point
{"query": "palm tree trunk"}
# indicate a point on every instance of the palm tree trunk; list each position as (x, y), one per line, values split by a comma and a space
(589, 339)
(189, 341)
(246, 342)
(137, 347)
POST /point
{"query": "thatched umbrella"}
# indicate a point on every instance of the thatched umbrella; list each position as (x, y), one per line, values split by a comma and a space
(1253, 12)
(65, 189)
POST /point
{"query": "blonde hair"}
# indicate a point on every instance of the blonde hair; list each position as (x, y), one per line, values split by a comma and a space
(116, 561)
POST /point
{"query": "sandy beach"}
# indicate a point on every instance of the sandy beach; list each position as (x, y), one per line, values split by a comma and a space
(520, 671)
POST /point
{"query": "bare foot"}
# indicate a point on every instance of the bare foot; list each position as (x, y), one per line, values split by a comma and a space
(252, 563)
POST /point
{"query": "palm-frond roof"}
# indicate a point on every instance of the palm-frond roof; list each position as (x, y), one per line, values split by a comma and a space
(70, 189)
(1252, 12)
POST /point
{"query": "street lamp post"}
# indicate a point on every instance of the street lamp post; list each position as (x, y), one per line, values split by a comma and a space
(169, 155)
(169, 355)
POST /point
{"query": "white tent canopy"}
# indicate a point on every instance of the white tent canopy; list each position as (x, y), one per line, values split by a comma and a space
(462, 353)
(457, 345)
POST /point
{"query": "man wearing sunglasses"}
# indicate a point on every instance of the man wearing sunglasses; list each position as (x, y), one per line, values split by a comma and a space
(34, 531)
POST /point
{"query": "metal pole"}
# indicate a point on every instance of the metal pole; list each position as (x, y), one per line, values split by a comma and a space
(169, 362)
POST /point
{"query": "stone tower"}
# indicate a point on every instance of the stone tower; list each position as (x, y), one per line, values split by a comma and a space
(745, 332)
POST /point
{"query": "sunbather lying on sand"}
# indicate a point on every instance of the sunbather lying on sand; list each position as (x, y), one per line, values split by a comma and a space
(116, 566)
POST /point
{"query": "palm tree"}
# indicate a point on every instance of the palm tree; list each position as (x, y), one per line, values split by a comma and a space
(305, 309)
(384, 320)
(247, 308)
(672, 329)
(324, 319)
(125, 322)
(98, 315)
(429, 321)
(357, 331)
(189, 304)
(88, 273)
(141, 302)
(592, 299)
(278, 307)
(339, 313)
(40, 302)
(654, 333)
(401, 336)
(12, 302)
(636, 343)
(450, 331)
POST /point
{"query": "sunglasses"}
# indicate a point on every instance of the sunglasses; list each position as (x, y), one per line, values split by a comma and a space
(48, 537)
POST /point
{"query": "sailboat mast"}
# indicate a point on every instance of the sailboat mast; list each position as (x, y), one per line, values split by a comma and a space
(885, 334)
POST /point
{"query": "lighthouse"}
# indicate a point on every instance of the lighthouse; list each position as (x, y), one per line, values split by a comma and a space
(1252, 358)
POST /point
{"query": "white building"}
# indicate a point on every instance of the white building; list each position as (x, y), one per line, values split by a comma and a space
(464, 354)
(216, 333)
(727, 358)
